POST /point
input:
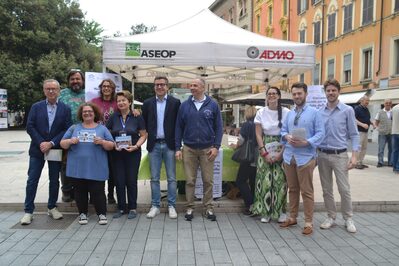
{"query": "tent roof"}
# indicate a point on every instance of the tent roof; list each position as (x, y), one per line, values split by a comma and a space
(206, 46)
(259, 99)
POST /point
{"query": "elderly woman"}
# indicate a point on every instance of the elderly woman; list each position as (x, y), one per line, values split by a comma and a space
(247, 171)
(129, 134)
(270, 183)
(107, 104)
(88, 143)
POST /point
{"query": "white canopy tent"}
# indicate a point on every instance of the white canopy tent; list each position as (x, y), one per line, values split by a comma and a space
(206, 46)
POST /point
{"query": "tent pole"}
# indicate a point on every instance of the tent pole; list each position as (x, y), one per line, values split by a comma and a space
(133, 77)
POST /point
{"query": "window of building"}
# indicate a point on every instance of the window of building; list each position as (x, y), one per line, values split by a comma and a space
(316, 32)
(314, 2)
(285, 35)
(302, 78)
(316, 74)
(258, 23)
(348, 15)
(367, 57)
(302, 6)
(285, 7)
(347, 75)
(302, 34)
(396, 6)
(367, 12)
(231, 16)
(331, 68)
(243, 7)
(396, 57)
(270, 15)
(331, 26)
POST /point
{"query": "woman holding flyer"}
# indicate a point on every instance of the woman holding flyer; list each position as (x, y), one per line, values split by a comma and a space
(270, 183)
(129, 134)
(87, 166)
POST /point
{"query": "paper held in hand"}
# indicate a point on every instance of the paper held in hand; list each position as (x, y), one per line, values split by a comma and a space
(299, 133)
(53, 155)
(123, 142)
(273, 148)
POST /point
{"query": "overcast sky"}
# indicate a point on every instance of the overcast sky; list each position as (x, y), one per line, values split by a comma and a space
(120, 15)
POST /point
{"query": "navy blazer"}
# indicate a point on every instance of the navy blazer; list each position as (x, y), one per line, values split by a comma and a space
(38, 129)
(169, 123)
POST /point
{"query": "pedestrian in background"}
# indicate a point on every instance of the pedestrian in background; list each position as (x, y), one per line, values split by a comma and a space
(383, 123)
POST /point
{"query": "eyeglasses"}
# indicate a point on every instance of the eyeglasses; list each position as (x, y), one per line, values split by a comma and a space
(50, 89)
(160, 85)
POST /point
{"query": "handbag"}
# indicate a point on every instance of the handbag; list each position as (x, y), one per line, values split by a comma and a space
(245, 153)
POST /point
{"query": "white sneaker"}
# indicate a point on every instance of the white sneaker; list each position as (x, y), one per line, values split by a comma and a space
(172, 212)
(83, 219)
(282, 218)
(328, 223)
(350, 226)
(154, 211)
(54, 213)
(102, 219)
(265, 219)
(27, 219)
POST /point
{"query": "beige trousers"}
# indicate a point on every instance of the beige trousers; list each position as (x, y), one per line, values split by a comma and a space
(363, 147)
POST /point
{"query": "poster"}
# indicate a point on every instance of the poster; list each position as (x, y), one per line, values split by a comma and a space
(3, 109)
(316, 96)
(93, 79)
(217, 178)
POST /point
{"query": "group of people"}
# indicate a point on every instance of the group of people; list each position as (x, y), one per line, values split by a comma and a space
(101, 140)
(291, 143)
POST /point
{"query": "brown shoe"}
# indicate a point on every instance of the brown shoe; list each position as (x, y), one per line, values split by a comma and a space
(307, 230)
(288, 223)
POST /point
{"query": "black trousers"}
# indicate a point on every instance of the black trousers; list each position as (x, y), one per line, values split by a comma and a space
(111, 183)
(126, 168)
(82, 188)
(246, 182)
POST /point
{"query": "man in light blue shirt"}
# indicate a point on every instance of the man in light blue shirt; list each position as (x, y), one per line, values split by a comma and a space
(302, 132)
(341, 126)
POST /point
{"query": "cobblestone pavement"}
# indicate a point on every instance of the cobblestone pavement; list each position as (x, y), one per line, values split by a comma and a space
(233, 240)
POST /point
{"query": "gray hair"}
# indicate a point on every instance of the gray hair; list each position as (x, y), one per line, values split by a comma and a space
(51, 81)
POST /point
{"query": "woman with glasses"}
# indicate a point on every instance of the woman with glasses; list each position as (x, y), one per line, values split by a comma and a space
(270, 183)
(129, 134)
(107, 103)
(87, 144)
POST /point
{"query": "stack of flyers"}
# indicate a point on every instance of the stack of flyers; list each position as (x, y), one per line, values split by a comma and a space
(273, 148)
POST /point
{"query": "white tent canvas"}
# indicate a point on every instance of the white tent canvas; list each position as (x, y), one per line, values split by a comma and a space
(206, 46)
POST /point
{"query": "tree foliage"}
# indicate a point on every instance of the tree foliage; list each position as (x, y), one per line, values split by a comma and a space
(40, 40)
(91, 32)
(141, 28)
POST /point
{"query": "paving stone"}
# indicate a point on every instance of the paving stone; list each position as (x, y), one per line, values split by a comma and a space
(203, 258)
(306, 257)
(23, 259)
(60, 259)
(169, 246)
(121, 244)
(151, 257)
(56, 244)
(221, 256)
(21, 246)
(8, 257)
(96, 259)
(89, 244)
(168, 259)
(36, 248)
(273, 258)
(153, 245)
(6, 245)
(288, 255)
(79, 258)
(254, 256)
(233, 245)
(216, 243)
(115, 257)
(70, 247)
(185, 257)
(132, 258)
(185, 244)
(44, 257)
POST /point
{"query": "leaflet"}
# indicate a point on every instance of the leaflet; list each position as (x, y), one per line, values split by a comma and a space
(122, 142)
(299, 133)
(53, 155)
(86, 135)
(273, 148)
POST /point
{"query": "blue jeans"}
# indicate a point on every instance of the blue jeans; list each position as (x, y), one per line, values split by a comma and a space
(160, 153)
(395, 152)
(382, 140)
(34, 172)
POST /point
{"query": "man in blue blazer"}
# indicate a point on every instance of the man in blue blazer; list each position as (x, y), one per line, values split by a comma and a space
(47, 122)
(160, 114)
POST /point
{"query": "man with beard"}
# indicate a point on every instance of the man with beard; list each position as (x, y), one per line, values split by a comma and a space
(302, 131)
(73, 96)
(340, 122)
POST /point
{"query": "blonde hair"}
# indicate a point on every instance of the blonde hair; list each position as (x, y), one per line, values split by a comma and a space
(250, 113)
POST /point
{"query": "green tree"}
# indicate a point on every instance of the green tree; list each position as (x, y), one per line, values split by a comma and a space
(39, 40)
(91, 32)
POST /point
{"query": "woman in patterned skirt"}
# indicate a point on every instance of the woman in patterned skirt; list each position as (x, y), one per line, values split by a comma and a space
(270, 183)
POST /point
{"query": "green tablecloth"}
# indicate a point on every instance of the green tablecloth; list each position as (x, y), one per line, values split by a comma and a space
(230, 168)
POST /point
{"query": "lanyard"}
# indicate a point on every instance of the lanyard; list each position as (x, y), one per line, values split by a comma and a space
(124, 123)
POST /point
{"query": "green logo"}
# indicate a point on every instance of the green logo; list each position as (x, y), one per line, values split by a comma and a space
(132, 49)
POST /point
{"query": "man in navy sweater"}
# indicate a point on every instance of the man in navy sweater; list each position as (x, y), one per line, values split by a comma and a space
(199, 125)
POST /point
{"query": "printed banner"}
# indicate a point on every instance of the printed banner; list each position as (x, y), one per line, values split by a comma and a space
(316, 96)
(3, 109)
